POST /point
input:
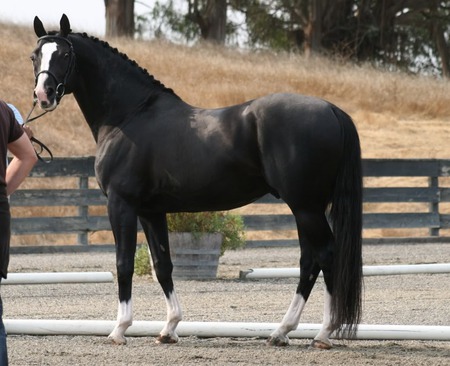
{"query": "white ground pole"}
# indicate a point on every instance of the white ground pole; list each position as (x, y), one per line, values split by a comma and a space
(217, 329)
(367, 271)
(57, 277)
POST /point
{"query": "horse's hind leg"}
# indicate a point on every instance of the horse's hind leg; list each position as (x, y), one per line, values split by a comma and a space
(155, 228)
(315, 245)
(322, 339)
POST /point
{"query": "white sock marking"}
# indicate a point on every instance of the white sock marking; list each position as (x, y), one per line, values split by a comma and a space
(174, 315)
(291, 318)
(325, 331)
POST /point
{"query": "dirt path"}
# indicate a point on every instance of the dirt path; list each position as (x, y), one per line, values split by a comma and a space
(410, 299)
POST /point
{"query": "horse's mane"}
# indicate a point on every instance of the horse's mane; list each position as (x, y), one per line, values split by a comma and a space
(127, 59)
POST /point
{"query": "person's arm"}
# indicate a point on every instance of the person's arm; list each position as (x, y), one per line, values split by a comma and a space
(28, 131)
(21, 164)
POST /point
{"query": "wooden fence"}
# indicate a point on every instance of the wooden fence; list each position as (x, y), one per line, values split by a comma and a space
(421, 183)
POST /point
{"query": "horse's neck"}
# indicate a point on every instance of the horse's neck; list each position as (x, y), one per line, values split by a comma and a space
(106, 97)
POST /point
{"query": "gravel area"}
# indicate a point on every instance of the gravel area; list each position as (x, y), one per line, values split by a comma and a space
(407, 299)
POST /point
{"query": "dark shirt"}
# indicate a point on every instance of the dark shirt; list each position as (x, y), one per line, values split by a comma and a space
(10, 130)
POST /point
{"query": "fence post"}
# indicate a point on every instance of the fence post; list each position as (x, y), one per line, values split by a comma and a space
(83, 211)
(433, 182)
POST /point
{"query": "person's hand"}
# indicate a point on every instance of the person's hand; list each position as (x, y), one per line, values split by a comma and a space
(28, 131)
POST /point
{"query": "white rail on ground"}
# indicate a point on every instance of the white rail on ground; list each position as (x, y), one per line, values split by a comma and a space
(57, 277)
(217, 329)
(402, 269)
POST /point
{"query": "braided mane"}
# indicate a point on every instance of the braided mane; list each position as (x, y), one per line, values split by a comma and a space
(127, 59)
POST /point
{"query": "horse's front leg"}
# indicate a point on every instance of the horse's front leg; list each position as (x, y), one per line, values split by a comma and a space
(155, 228)
(124, 226)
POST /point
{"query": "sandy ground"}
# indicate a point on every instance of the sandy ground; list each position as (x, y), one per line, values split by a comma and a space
(406, 299)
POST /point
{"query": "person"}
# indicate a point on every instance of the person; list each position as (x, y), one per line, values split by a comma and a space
(14, 139)
(19, 119)
(17, 114)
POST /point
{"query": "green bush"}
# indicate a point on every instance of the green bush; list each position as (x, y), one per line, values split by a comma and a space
(230, 226)
(142, 261)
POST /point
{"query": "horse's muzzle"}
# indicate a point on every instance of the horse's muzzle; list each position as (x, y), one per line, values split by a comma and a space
(41, 96)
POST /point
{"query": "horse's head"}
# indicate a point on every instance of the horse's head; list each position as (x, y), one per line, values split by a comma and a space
(53, 63)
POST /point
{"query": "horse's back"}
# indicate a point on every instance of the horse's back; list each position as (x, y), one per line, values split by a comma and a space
(291, 108)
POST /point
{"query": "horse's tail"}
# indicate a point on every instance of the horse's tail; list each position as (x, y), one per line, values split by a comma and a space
(346, 216)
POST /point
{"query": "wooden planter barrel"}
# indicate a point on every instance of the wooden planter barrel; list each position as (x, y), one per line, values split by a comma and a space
(195, 257)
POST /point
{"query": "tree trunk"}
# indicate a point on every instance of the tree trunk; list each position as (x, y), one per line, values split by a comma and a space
(438, 35)
(119, 18)
(216, 13)
(443, 53)
(313, 30)
(212, 21)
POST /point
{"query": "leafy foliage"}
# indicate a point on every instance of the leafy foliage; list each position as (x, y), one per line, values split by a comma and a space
(230, 226)
(142, 261)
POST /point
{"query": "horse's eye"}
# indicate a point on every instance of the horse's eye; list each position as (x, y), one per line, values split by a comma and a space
(32, 58)
(66, 55)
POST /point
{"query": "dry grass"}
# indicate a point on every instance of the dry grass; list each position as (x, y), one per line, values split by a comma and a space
(397, 115)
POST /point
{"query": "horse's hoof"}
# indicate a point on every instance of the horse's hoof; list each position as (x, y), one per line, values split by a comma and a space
(277, 342)
(321, 344)
(166, 339)
(120, 341)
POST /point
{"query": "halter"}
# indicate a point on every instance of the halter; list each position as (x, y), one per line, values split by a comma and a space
(60, 91)
(60, 87)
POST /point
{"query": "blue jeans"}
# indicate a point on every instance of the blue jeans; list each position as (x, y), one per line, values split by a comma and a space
(3, 349)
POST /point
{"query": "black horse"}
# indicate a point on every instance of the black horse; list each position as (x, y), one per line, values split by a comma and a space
(157, 154)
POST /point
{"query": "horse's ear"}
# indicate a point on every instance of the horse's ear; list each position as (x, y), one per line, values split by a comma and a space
(39, 27)
(64, 25)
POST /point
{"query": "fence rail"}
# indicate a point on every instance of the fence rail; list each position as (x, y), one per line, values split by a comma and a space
(430, 194)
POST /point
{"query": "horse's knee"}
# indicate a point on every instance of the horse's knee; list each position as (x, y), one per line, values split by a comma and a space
(124, 274)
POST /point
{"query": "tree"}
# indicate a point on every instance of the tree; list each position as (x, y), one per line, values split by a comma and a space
(411, 34)
(408, 34)
(204, 19)
(211, 17)
(119, 18)
(439, 15)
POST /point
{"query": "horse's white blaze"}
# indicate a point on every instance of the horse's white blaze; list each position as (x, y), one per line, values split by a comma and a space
(174, 316)
(47, 52)
(291, 318)
(325, 331)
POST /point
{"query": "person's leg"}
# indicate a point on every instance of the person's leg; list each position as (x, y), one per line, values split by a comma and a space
(3, 348)
(5, 231)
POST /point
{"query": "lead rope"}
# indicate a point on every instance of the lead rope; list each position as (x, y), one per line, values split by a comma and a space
(42, 146)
